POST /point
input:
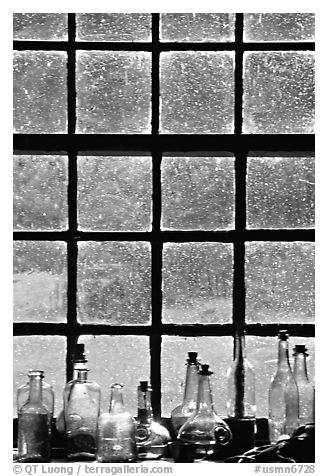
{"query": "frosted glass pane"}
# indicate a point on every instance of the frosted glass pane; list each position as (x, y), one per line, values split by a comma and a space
(197, 27)
(118, 359)
(215, 351)
(114, 193)
(40, 192)
(40, 281)
(280, 282)
(113, 26)
(278, 27)
(262, 352)
(197, 283)
(47, 353)
(40, 100)
(113, 92)
(198, 193)
(40, 26)
(114, 282)
(278, 92)
(197, 92)
(280, 192)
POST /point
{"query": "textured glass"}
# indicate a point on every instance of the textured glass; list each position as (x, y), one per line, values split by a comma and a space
(40, 98)
(280, 282)
(118, 359)
(113, 92)
(280, 192)
(40, 26)
(197, 92)
(113, 26)
(215, 351)
(197, 283)
(114, 282)
(47, 353)
(114, 193)
(40, 192)
(197, 27)
(262, 353)
(278, 27)
(40, 281)
(278, 92)
(198, 193)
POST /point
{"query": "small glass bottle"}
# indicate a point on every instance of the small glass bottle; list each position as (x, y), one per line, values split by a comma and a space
(283, 395)
(305, 388)
(48, 396)
(152, 438)
(116, 434)
(182, 412)
(34, 423)
(81, 410)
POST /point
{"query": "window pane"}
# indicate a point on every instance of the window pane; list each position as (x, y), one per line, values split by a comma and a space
(114, 193)
(279, 27)
(198, 193)
(280, 192)
(40, 26)
(118, 359)
(278, 92)
(262, 352)
(47, 353)
(113, 92)
(40, 281)
(40, 92)
(114, 282)
(198, 27)
(197, 282)
(215, 351)
(197, 90)
(280, 282)
(113, 26)
(40, 192)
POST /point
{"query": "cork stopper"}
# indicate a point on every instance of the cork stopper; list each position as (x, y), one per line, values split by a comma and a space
(144, 385)
(300, 349)
(192, 358)
(283, 335)
(205, 370)
(79, 354)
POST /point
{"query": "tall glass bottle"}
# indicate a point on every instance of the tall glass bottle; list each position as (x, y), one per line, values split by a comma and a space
(152, 438)
(241, 383)
(283, 395)
(34, 423)
(116, 434)
(305, 388)
(182, 412)
(81, 410)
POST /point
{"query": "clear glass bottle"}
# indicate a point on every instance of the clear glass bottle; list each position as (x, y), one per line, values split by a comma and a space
(241, 383)
(34, 423)
(48, 396)
(182, 412)
(81, 410)
(283, 395)
(305, 388)
(152, 438)
(205, 428)
(116, 434)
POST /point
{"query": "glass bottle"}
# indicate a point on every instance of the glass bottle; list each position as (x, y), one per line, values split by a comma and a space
(152, 438)
(81, 410)
(48, 396)
(283, 395)
(241, 383)
(205, 428)
(34, 423)
(182, 412)
(305, 388)
(116, 435)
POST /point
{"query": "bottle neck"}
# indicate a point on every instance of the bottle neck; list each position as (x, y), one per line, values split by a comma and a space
(204, 396)
(116, 399)
(35, 394)
(192, 378)
(239, 349)
(145, 411)
(80, 371)
(300, 367)
(283, 356)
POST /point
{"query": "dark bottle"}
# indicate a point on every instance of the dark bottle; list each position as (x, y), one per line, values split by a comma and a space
(283, 395)
(81, 410)
(152, 438)
(116, 434)
(182, 412)
(34, 423)
(305, 388)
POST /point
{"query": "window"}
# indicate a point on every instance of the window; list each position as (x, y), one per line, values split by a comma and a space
(163, 195)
